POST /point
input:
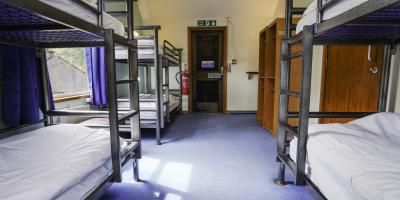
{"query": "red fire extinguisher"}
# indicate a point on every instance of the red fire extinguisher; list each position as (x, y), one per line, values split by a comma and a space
(185, 83)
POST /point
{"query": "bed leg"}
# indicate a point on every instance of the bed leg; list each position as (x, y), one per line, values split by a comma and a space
(280, 180)
(158, 135)
(136, 170)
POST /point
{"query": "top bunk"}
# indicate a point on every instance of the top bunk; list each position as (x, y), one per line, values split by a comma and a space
(352, 21)
(58, 24)
(148, 48)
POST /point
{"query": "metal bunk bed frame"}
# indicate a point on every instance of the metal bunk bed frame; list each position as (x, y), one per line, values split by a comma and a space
(170, 57)
(66, 30)
(363, 24)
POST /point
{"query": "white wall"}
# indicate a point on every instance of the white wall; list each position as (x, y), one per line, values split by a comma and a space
(242, 93)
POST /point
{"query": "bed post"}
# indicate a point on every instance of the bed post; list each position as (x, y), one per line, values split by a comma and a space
(100, 8)
(283, 110)
(166, 86)
(45, 87)
(284, 99)
(147, 78)
(385, 77)
(288, 18)
(304, 103)
(134, 90)
(158, 87)
(180, 78)
(112, 104)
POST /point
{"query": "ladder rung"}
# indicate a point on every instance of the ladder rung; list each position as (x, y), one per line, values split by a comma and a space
(296, 54)
(167, 102)
(126, 116)
(145, 37)
(166, 85)
(126, 81)
(290, 93)
(288, 161)
(147, 100)
(146, 47)
(289, 128)
(293, 55)
(296, 39)
(298, 11)
(118, 13)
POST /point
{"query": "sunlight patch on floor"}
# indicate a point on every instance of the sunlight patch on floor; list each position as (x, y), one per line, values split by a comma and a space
(176, 175)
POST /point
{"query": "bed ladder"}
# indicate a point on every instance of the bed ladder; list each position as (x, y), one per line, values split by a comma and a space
(115, 120)
(284, 128)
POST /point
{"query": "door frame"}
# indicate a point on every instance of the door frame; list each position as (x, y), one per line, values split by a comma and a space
(191, 29)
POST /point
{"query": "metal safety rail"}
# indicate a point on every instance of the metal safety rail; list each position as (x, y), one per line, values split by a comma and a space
(356, 26)
(37, 25)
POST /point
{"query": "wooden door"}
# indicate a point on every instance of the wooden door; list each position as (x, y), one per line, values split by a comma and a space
(208, 62)
(351, 79)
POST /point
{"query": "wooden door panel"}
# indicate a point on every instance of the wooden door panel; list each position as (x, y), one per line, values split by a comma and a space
(348, 84)
(207, 92)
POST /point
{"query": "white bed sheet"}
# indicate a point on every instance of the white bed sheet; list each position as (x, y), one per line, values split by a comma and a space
(173, 103)
(95, 178)
(45, 163)
(309, 16)
(357, 160)
(77, 10)
(83, 189)
(144, 115)
(122, 53)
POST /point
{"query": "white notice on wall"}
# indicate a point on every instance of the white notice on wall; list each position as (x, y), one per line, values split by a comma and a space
(207, 64)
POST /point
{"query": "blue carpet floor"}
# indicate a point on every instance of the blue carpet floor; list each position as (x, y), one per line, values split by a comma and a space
(208, 157)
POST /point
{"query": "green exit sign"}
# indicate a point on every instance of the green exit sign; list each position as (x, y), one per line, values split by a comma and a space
(207, 22)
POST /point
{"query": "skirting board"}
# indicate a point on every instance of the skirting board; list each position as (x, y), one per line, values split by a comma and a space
(233, 112)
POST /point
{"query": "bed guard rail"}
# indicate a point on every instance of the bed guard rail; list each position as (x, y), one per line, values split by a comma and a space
(173, 53)
(122, 115)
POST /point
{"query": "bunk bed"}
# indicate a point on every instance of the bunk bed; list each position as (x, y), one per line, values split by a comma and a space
(156, 110)
(339, 161)
(60, 161)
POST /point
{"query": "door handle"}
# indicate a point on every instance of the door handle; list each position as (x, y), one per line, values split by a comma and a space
(373, 70)
(369, 53)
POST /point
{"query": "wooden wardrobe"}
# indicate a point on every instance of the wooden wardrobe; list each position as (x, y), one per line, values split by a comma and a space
(269, 76)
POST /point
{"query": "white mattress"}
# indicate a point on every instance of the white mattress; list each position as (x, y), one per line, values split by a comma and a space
(73, 8)
(48, 162)
(83, 189)
(144, 115)
(309, 16)
(355, 161)
(121, 53)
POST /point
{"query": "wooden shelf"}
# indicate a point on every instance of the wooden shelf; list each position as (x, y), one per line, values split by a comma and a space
(269, 69)
(251, 74)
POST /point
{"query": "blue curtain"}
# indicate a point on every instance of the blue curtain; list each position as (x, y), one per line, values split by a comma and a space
(96, 73)
(21, 86)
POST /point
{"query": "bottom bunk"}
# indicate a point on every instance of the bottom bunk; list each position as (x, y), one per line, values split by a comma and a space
(148, 106)
(357, 160)
(148, 112)
(77, 157)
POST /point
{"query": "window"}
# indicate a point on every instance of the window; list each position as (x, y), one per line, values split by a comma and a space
(67, 70)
